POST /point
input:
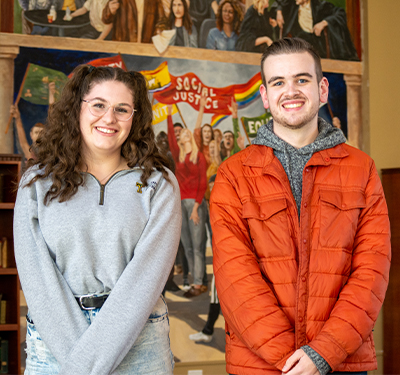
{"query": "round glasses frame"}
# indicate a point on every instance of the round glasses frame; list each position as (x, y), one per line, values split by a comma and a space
(101, 113)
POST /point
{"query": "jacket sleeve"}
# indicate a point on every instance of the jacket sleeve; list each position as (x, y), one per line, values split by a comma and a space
(354, 314)
(42, 282)
(249, 306)
(133, 297)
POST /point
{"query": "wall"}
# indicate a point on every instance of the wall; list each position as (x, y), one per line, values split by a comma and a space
(381, 96)
(383, 56)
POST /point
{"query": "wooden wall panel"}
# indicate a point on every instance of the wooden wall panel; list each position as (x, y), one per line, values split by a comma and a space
(391, 307)
(7, 16)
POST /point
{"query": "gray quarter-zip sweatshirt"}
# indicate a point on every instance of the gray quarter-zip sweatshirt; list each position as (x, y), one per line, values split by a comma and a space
(119, 237)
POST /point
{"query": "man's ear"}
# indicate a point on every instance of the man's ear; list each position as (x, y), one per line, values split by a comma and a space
(323, 90)
(264, 97)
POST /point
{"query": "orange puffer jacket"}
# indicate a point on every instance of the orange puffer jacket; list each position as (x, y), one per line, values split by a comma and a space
(284, 282)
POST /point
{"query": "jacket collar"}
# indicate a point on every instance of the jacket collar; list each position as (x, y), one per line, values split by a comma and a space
(263, 157)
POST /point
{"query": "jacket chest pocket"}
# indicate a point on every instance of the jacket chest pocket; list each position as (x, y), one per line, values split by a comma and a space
(269, 228)
(340, 211)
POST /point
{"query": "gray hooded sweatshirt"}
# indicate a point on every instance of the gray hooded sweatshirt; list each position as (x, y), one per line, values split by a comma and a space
(293, 161)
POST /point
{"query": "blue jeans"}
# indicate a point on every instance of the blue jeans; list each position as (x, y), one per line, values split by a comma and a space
(204, 240)
(192, 236)
(150, 354)
(343, 373)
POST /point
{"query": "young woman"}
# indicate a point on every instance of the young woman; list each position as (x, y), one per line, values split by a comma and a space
(229, 19)
(190, 172)
(97, 227)
(180, 21)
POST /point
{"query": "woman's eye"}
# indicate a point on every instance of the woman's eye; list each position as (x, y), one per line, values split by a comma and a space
(98, 105)
(121, 110)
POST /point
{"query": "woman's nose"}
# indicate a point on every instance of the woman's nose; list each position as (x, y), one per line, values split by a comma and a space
(109, 116)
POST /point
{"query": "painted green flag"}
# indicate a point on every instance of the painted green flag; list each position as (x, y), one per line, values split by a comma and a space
(41, 83)
(251, 124)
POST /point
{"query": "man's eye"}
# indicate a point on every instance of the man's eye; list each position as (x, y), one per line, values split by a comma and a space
(279, 83)
(303, 80)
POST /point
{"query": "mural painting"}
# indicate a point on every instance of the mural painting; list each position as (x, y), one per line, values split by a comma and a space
(225, 96)
(234, 25)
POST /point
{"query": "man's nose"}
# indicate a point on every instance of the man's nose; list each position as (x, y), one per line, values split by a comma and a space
(291, 89)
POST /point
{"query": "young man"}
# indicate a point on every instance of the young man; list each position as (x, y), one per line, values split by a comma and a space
(300, 234)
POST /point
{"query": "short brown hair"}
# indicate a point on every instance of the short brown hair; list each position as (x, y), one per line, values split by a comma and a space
(288, 46)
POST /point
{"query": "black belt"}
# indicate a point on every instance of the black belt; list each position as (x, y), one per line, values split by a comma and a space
(90, 301)
(86, 302)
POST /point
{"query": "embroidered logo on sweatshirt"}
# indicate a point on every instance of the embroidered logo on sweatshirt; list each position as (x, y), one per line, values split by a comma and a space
(139, 186)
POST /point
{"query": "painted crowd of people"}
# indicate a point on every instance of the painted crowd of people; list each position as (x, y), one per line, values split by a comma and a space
(218, 24)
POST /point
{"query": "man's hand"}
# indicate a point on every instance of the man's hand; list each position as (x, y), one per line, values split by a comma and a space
(299, 363)
(279, 19)
(318, 27)
(113, 5)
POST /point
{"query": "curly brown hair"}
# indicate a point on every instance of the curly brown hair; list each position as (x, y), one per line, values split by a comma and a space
(237, 19)
(58, 149)
(187, 20)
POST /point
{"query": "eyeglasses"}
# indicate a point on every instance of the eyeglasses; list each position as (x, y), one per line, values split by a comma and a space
(98, 108)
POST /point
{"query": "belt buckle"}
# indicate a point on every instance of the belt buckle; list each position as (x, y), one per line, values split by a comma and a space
(81, 303)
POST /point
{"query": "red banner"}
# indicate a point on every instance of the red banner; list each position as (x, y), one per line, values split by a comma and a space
(114, 62)
(188, 88)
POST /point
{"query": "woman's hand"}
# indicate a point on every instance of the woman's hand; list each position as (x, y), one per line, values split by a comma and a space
(194, 215)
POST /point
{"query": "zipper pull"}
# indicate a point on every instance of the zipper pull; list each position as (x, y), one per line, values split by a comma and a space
(102, 188)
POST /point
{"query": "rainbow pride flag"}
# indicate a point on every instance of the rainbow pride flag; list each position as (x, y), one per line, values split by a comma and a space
(216, 120)
(246, 93)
